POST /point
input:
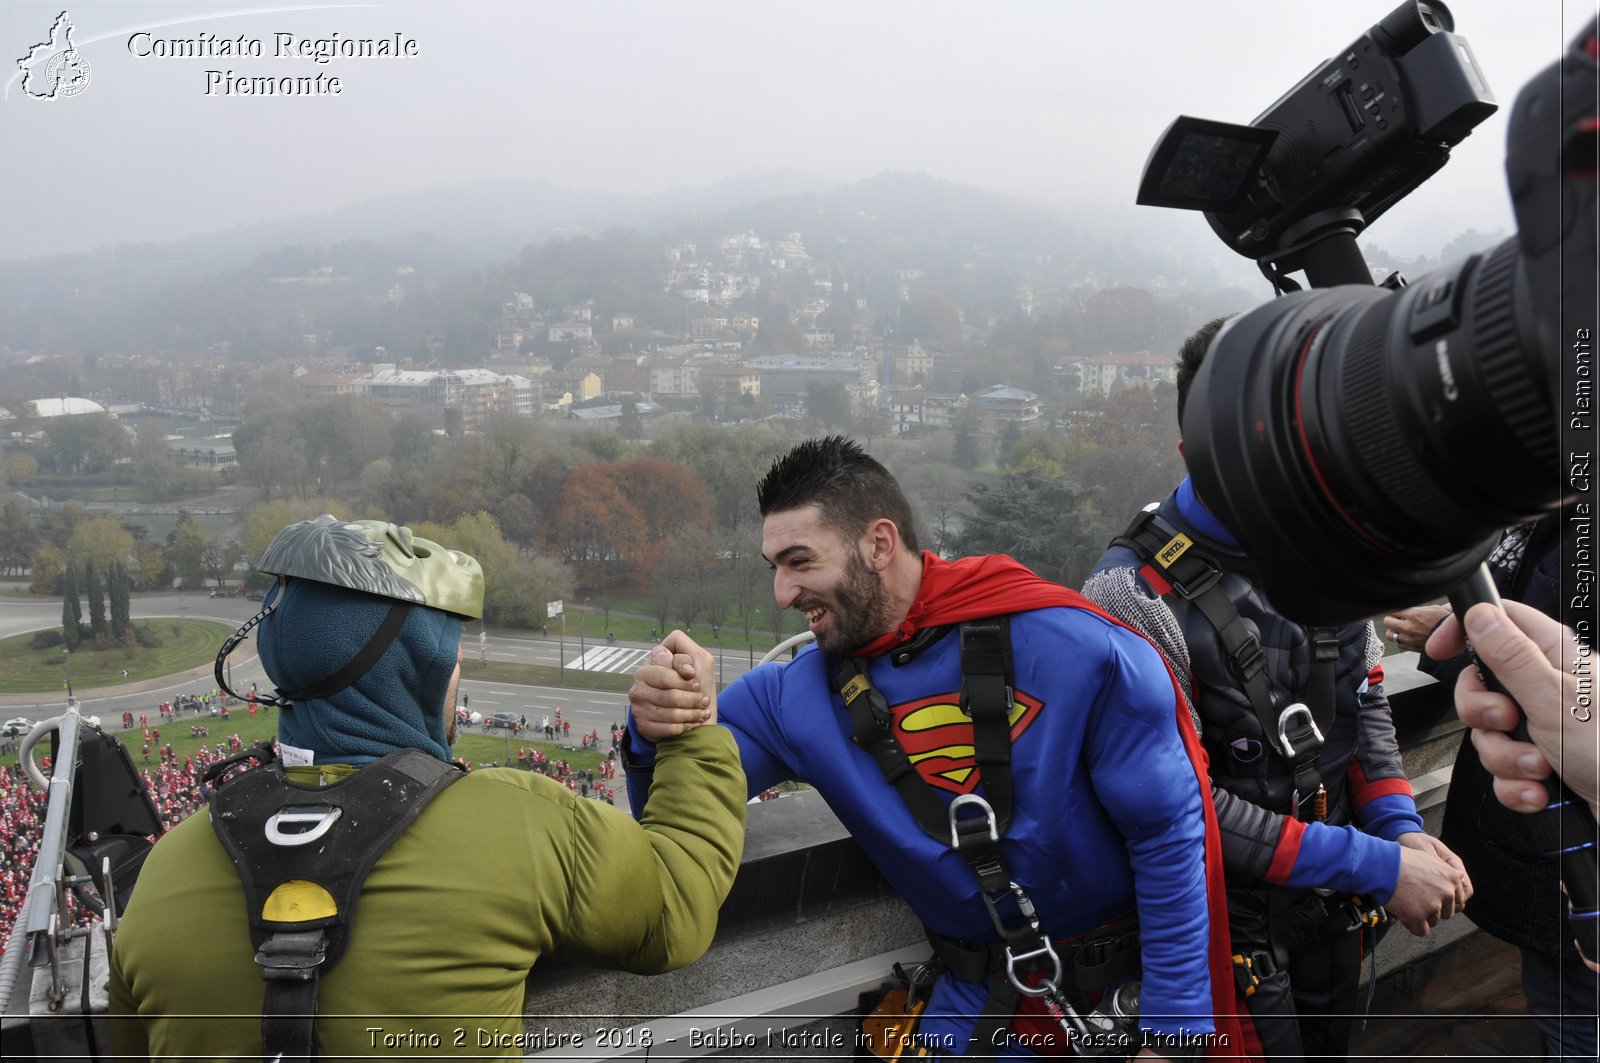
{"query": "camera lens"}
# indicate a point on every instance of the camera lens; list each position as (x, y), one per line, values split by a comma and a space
(1366, 446)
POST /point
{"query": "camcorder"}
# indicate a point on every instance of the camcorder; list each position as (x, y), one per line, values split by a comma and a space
(1367, 444)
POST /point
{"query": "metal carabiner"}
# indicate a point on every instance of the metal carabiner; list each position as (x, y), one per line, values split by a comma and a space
(1065, 1014)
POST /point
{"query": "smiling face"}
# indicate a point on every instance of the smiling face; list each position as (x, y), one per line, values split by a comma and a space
(826, 575)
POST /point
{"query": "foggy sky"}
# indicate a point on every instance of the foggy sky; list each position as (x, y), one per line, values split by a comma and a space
(1055, 100)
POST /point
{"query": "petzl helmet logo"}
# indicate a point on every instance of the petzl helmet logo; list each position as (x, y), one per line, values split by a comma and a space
(937, 737)
(54, 69)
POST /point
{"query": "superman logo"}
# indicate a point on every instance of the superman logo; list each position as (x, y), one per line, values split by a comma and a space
(937, 737)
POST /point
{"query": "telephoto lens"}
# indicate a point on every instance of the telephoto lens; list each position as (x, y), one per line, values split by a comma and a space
(1366, 446)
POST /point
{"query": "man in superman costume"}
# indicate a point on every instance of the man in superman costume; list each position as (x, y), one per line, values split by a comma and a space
(1109, 813)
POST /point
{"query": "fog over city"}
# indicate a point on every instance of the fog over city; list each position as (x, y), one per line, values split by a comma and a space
(1056, 102)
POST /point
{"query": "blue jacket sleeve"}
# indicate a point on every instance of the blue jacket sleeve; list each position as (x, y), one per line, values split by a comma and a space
(746, 708)
(1143, 775)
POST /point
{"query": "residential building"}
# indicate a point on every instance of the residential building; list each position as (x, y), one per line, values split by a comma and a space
(784, 380)
(214, 453)
(1106, 373)
(730, 383)
(582, 384)
(315, 386)
(1001, 407)
(915, 407)
(477, 394)
(567, 331)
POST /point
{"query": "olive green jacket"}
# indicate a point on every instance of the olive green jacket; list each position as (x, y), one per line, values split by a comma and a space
(504, 867)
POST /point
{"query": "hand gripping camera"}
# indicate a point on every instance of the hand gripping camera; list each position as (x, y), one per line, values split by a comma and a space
(1367, 445)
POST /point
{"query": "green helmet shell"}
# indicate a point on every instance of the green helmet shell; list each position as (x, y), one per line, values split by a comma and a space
(378, 558)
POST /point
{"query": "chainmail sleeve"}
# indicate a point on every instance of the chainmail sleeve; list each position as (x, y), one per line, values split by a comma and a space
(1249, 833)
(1374, 649)
(1118, 592)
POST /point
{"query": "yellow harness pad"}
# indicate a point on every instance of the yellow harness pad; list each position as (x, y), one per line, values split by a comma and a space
(298, 901)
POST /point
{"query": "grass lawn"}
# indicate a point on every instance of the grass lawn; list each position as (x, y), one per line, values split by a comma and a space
(185, 644)
(632, 620)
(472, 746)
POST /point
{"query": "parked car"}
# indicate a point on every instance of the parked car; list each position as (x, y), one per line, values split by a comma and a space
(18, 726)
(225, 592)
(509, 720)
(467, 718)
(255, 596)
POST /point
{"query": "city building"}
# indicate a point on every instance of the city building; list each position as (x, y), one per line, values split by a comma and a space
(1105, 373)
(1001, 407)
(474, 395)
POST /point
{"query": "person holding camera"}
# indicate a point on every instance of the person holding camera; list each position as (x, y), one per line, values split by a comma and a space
(1526, 650)
(1518, 897)
(1320, 832)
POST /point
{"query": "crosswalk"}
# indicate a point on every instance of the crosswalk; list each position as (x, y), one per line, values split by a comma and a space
(610, 659)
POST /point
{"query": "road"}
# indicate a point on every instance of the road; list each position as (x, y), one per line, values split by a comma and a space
(587, 709)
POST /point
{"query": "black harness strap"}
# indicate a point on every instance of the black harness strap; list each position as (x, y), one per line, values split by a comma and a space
(1297, 733)
(872, 725)
(987, 697)
(301, 897)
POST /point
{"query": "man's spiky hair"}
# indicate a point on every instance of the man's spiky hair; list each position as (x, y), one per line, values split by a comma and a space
(848, 485)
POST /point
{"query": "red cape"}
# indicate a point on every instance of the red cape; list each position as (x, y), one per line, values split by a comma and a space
(976, 587)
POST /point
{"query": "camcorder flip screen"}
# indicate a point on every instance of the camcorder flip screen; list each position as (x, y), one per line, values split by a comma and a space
(1200, 164)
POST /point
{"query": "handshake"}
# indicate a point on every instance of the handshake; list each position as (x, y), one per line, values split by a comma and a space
(667, 696)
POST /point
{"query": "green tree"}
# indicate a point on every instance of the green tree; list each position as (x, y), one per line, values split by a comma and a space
(219, 558)
(631, 425)
(1038, 519)
(45, 568)
(828, 404)
(153, 469)
(71, 610)
(99, 542)
(19, 537)
(186, 546)
(94, 590)
(117, 589)
(1009, 437)
(151, 568)
(729, 462)
(89, 442)
(965, 453)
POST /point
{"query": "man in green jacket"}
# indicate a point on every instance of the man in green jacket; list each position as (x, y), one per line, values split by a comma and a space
(361, 636)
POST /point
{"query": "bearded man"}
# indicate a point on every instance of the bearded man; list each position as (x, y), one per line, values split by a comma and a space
(974, 702)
